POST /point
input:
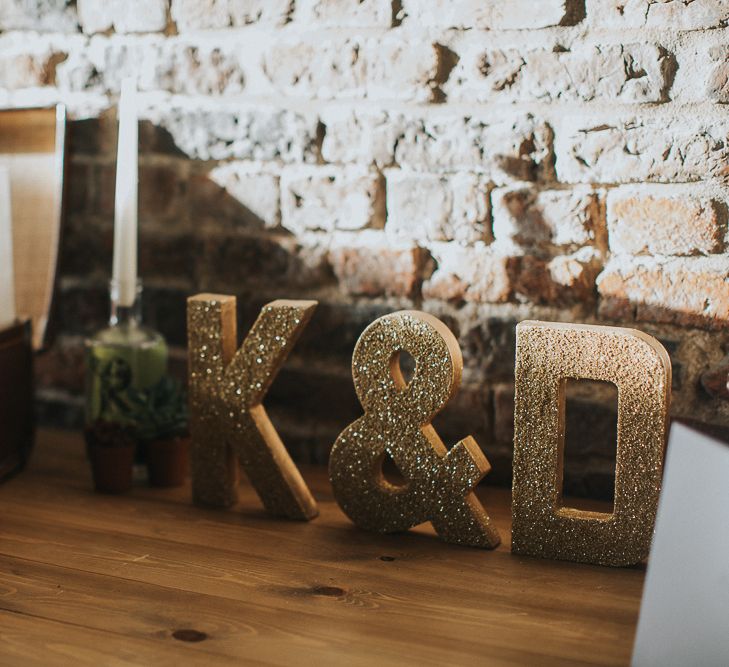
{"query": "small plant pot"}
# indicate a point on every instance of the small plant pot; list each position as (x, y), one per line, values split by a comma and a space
(110, 449)
(168, 461)
(112, 467)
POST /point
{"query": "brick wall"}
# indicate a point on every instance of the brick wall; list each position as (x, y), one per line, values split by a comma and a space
(484, 161)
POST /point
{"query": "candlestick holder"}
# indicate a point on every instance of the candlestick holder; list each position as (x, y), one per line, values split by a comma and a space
(16, 397)
(123, 361)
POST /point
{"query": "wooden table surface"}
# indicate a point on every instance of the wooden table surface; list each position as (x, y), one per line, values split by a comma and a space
(87, 579)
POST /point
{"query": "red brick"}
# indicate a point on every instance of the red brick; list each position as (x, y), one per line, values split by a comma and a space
(685, 291)
(371, 266)
(658, 225)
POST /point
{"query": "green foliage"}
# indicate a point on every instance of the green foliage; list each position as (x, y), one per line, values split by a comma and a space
(155, 413)
(162, 411)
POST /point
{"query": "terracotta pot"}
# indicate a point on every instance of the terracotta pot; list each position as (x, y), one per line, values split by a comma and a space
(112, 467)
(168, 461)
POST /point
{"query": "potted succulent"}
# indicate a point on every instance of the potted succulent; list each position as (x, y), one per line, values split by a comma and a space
(163, 433)
(111, 447)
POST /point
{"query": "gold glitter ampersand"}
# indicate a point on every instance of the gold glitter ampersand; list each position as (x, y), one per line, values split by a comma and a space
(228, 422)
(547, 355)
(397, 420)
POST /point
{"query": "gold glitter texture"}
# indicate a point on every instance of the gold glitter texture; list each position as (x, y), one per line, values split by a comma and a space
(547, 355)
(228, 422)
(396, 422)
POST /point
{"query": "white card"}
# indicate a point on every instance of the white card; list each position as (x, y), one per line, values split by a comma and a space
(684, 616)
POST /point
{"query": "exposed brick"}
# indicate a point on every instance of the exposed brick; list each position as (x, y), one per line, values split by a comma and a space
(670, 14)
(363, 137)
(124, 16)
(467, 413)
(86, 250)
(628, 73)
(353, 67)
(94, 136)
(476, 274)
(62, 367)
(492, 14)
(237, 193)
(504, 150)
(26, 71)
(41, 15)
(331, 198)
(488, 340)
(484, 275)
(684, 291)
(164, 308)
(82, 307)
(640, 149)
(530, 217)
(641, 223)
(258, 132)
(369, 264)
(161, 193)
(563, 280)
(167, 256)
(333, 332)
(717, 87)
(428, 207)
(157, 64)
(251, 262)
(208, 14)
(510, 149)
(361, 14)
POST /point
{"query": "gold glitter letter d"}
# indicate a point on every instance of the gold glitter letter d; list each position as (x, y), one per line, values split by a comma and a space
(397, 420)
(547, 355)
(228, 422)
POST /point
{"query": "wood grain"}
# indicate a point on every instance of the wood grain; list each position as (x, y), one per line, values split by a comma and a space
(91, 579)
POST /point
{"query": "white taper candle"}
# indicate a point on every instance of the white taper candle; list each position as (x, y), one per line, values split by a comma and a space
(7, 276)
(125, 201)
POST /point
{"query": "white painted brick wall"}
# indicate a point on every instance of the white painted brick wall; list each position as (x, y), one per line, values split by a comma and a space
(492, 152)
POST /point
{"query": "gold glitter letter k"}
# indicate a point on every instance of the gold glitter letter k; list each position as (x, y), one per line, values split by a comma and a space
(228, 422)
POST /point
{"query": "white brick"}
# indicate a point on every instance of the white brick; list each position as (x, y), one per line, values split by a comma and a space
(491, 14)
(659, 220)
(427, 207)
(363, 137)
(140, 15)
(39, 15)
(513, 148)
(24, 65)
(529, 217)
(250, 185)
(330, 198)
(504, 149)
(257, 132)
(609, 150)
(344, 13)
(717, 85)
(211, 14)
(668, 14)
(476, 274)
(171, 65)
(352, 67)
(630, 73)
(125, 16)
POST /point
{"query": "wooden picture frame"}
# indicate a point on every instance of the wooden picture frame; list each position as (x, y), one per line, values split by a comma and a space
(32, 146)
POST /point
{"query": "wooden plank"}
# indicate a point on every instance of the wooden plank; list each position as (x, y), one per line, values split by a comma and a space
(321, 587)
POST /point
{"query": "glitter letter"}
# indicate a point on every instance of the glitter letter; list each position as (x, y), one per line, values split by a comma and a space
(439, 483)
(228, 422)
(547, 355)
